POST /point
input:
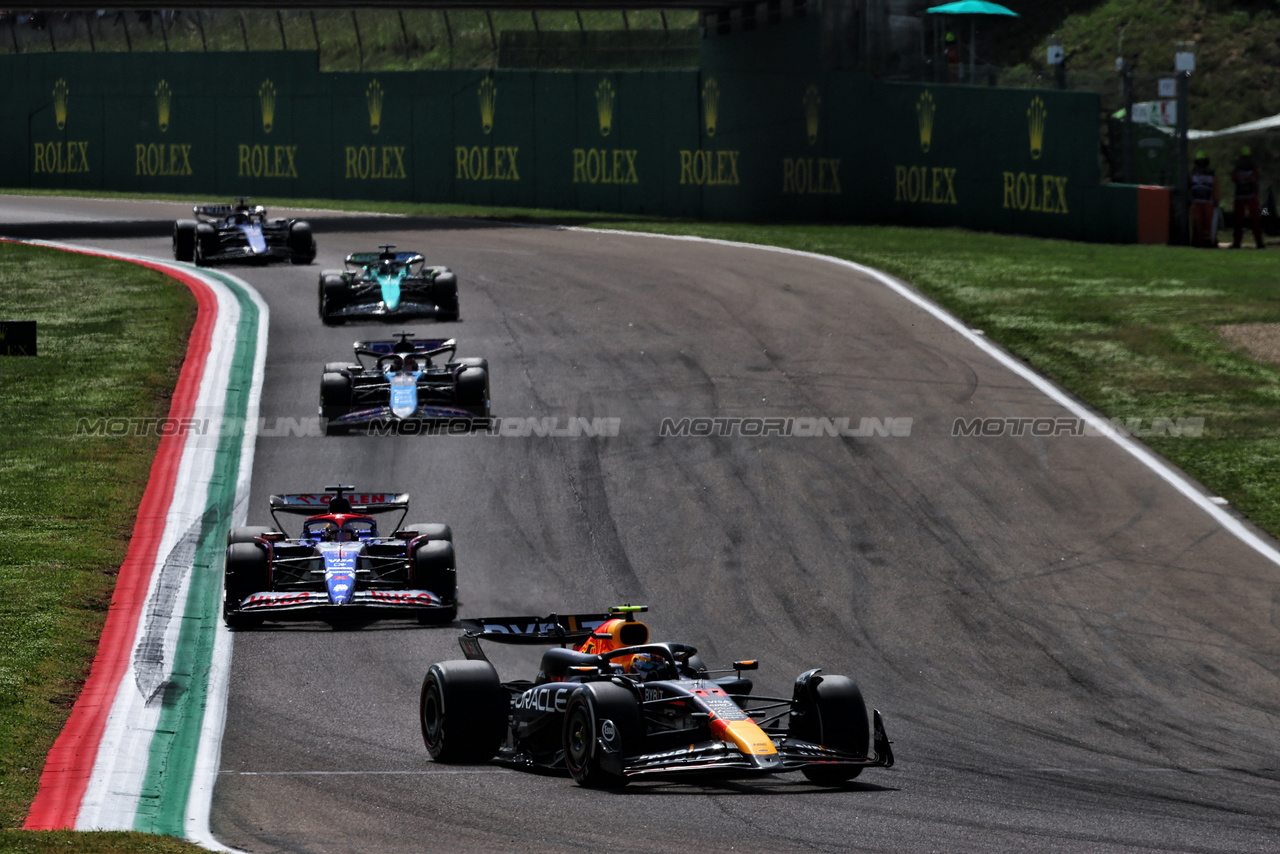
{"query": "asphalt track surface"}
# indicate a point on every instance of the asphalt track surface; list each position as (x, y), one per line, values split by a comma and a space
(1070, 656)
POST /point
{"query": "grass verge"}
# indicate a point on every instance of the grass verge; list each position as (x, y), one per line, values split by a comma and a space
(112, 337)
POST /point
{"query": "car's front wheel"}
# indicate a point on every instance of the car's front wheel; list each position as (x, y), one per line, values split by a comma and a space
(434, 568)
(602, 726)
(301, 245)
(245, 573)
(335, 400)
(206, 245)
(333, 291)
(835, 717)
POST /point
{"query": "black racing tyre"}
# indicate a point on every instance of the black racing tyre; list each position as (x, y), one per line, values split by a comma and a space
(301, 243)
(244, 574)
(335, 397)
(472, 362)
(438, 269)
(432, 530)
(463, 711)
(206, 244)
(333, 293)
(444, 290)
(838, 719)
(433, 567)
(184, 240)
(472, 389)
(601, 711)
(246, 534)
(339, 367)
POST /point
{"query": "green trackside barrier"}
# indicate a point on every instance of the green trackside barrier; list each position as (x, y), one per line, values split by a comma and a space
(736, 140)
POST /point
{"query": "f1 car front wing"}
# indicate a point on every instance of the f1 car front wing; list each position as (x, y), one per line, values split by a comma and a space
(315, 600)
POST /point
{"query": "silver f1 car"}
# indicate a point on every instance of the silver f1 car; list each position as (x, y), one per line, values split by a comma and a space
(241, 232)
(387, 285)
(339, 565)
(615, 707)
(404, 381)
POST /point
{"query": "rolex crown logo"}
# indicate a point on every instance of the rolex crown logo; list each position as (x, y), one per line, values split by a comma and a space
(374, 98)
(164, 99)
(924, 115)
(1036, 115)
(711, 104)
(60, 93)
(488, 103)
(812, 112)
(604, 106)
(267, 97)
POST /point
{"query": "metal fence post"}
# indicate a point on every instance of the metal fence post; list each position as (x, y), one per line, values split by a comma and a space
(1127, 152)
(1183, 225)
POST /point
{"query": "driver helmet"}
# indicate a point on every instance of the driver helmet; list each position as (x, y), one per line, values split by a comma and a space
(647, 665)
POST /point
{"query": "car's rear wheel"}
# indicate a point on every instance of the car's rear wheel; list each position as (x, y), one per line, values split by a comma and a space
(836, 718)
(184, 240)
(434, 567)
(463, 711)
(301, 244)
(245, 573)
(602, 726)
(246, 534)
(432, 530)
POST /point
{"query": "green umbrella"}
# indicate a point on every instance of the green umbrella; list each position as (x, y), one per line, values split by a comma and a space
(972, 8)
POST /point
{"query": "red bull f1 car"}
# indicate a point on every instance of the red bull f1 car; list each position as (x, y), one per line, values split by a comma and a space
(241, 232)
(387, 285)
(403, 380)
(340, 565)
(610, 707)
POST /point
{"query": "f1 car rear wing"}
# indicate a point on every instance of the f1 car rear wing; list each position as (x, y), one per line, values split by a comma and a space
(554, 628)
(339, 499)
(363, 258)
(426, 347)
(214, 210)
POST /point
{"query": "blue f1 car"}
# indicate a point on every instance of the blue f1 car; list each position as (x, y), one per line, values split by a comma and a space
(404, 381)
(340, 564)
(241, 232)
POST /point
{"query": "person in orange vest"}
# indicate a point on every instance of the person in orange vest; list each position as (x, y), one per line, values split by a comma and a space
(1204, 192)
(952, 55)
(1247, 177)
